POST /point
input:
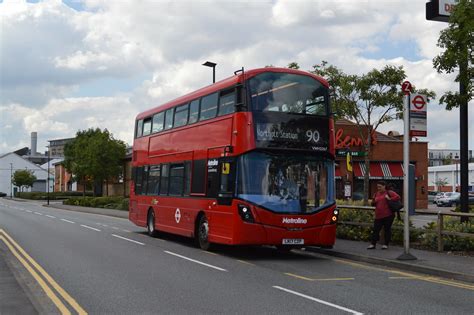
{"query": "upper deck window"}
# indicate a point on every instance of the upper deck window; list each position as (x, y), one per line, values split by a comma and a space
(227, 102)
(147, 126)
(169, 119)
(181, 116)
(139, 128)
(158, 120)
(193, 111)
(209, 106)
(290, 93)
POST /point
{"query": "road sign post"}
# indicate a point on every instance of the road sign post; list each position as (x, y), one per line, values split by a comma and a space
(406, 87)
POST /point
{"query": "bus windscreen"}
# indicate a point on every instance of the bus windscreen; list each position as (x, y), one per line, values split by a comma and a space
(290, 93)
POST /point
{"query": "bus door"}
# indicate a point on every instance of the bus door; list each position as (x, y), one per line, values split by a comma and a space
(227, 170)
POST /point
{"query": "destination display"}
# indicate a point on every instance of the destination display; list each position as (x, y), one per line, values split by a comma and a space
(291, 132)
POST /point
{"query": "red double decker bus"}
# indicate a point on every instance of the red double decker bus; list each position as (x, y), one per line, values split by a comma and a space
(247, 160)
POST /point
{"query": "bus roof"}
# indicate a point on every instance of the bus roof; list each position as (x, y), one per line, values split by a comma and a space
(220, 85)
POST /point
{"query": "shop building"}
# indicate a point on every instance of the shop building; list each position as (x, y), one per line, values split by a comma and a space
(386, 163)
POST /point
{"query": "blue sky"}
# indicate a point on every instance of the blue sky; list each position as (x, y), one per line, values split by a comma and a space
(102, 62)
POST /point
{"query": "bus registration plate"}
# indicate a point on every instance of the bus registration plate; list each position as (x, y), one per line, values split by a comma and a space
(293, 241)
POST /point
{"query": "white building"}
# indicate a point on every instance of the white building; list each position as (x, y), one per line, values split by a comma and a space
(451, 174)
(11, 162)
(437, 157)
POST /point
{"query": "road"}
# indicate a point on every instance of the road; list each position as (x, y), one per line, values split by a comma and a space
(107, 265)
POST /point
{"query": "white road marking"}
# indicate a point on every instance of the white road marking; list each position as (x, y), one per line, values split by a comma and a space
(127, 231)
(51, 216)
(90, 228)
(115, 228)
(195, 261)
(29, 211)
(67, 221)
(318, 300)
(127, 239)
(38, 213)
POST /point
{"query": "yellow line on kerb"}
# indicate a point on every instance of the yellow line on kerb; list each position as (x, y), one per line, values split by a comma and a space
(62, 308)
(312, 279)
(48, 278)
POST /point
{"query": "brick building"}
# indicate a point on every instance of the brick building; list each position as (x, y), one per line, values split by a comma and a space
(386, 163)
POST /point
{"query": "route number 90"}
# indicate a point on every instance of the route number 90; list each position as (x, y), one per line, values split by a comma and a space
(313, 136)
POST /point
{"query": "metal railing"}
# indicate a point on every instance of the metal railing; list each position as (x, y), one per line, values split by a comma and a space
(440, 222)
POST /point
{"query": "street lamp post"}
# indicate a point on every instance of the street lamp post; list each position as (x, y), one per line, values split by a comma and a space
(456, 157)
(213, 66)
(11, 180)
(47, 181)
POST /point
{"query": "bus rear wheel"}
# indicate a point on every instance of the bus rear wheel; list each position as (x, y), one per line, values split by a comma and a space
(203, 233)
(151, 224)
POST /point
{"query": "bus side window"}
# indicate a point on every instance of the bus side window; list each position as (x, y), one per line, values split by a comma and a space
(227, 102)
(154, 180)
(158, 120)
(139, 128)
(145, 179)
(193, 111)
(165, 168)
(169, 119)
(138, 180)
(176, 179)
(208, 107)
(147, 126)
(187, 178)
(198, 177)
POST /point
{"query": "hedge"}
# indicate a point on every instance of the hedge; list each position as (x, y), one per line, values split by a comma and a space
(451, 243)
(363, 233)
(52, 195)
(119, 203)
(424, 238)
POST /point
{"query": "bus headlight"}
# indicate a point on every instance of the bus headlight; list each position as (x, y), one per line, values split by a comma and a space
(245, 213)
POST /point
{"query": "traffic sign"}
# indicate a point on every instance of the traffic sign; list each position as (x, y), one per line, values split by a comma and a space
(406, 87)
(418, 102)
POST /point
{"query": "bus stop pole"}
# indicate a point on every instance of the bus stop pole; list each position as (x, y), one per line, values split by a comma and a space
(406, 183)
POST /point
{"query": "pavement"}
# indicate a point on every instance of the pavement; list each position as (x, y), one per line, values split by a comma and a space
(13, 299)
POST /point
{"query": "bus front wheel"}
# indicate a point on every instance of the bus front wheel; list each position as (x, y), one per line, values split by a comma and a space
(151, 224)
(203, 233)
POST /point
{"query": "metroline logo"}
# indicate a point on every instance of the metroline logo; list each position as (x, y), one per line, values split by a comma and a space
(295, 221)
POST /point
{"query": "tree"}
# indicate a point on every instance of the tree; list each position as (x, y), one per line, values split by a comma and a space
(440, 182)
(457, 41)
(94, 156)
(23, 178)
(369, 100)
(293, 65)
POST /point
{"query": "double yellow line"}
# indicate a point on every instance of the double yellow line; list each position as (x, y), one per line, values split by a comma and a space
(46, 282)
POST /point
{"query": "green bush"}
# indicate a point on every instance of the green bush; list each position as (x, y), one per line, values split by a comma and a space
(363, 233)
(452, 243)
(119, 203)
(57, 195)
(458, 208)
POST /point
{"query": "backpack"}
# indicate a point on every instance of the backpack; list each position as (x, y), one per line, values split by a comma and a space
(395, 206)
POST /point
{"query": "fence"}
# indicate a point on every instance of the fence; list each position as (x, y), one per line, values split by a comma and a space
(440, 222)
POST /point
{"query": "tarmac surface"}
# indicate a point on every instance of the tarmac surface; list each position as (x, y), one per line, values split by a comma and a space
(251, 269)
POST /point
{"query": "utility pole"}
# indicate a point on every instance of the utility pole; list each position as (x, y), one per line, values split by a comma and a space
(11, 180)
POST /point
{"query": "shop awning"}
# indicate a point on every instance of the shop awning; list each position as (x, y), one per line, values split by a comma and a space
(379, 170)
